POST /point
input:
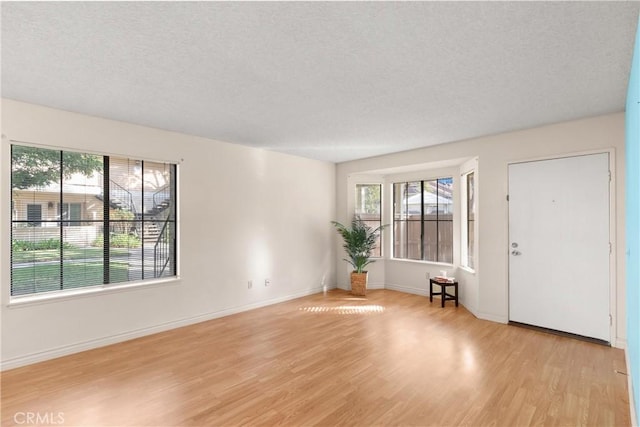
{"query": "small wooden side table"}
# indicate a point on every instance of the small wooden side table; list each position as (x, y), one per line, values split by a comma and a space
(443, 291)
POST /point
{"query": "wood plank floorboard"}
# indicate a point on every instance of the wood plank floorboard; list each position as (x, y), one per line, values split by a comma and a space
(332, 359)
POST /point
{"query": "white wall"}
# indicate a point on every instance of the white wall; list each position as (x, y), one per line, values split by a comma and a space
(244, 214)
(485, 293)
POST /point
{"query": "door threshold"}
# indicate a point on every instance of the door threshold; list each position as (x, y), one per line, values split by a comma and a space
(561, 333)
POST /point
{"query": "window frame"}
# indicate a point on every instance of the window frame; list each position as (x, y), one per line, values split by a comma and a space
(404, 217)
(468, 167)
(52, 296)
(466, 224)
(380, 246)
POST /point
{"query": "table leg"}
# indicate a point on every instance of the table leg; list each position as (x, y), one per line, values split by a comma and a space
(430, 290)
(456, 289)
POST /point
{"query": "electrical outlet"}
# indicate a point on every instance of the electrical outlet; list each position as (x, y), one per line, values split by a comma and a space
(267, 282)
(250, 284)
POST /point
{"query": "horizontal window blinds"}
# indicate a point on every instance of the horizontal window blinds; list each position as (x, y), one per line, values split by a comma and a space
(82, 220)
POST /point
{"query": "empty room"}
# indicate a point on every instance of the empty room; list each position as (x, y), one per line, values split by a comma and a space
(320, 213)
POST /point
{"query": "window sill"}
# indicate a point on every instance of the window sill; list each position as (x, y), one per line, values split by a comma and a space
(417, 261)
(467, 269)
(56, 296)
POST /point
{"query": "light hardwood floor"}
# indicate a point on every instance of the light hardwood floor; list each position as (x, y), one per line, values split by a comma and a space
(387, 359)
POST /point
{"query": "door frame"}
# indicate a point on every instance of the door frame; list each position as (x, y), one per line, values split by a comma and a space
(613, 283)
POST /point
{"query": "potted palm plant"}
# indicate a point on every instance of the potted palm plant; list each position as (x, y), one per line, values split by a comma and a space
(359, 241)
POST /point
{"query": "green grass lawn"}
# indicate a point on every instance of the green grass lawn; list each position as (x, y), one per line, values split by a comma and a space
(46, 277)
(54, 254)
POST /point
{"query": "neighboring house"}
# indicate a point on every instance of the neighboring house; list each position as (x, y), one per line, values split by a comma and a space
(432, 204)
(41, 210)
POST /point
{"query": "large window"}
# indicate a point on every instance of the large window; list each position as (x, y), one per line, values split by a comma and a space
(468, 220)
(83, 220)
(423, 220)
(369, 207)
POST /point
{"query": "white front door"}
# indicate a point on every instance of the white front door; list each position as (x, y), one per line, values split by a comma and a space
(559, 244)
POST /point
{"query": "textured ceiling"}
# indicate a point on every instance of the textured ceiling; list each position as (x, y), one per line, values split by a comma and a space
(328, 80)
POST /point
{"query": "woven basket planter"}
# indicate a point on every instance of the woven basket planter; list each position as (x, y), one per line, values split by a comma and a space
(359, 283)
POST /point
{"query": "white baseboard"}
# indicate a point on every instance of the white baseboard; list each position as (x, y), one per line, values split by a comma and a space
(29, 359)
(369, 286)
(492, 317)
(632, 403)
(424, 293)
(471, 309)
(408, 290)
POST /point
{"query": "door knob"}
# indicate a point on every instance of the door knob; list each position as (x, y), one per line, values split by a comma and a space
(516, 253)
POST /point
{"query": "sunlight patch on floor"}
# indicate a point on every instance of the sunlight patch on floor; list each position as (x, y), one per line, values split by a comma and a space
(345, 309)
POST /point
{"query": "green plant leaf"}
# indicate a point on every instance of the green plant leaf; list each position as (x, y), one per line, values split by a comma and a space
(359, 241)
